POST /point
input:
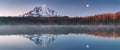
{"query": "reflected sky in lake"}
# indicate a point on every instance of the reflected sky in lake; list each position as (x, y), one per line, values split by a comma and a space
(58, 42)
(59, 38)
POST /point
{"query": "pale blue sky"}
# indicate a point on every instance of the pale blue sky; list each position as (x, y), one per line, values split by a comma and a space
(63, 7)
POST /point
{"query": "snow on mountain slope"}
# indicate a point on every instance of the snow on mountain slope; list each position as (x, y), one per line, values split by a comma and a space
(41, 11)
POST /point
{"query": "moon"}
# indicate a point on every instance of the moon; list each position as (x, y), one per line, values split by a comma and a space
(87, 5)
(87, 46)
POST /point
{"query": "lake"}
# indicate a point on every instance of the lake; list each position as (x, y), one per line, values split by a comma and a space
(59, 37)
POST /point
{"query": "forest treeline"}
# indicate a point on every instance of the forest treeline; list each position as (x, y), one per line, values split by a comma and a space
(104, 19)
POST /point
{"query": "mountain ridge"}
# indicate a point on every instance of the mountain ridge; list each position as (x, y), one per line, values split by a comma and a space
(41, 11)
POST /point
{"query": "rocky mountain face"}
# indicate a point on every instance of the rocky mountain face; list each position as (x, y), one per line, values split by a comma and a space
(42, 11)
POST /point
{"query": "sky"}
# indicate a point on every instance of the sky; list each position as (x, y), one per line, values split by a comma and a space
(63, 7)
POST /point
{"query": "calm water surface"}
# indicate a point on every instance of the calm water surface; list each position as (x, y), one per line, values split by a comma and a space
(39, 37)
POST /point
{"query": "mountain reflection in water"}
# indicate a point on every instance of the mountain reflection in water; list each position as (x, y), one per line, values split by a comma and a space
(40, 39)
(69, 41)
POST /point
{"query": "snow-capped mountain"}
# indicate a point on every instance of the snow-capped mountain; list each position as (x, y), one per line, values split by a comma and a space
(41, 11)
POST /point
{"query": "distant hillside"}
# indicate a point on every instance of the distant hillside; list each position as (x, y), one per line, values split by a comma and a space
(106, 18)
(102, 19)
